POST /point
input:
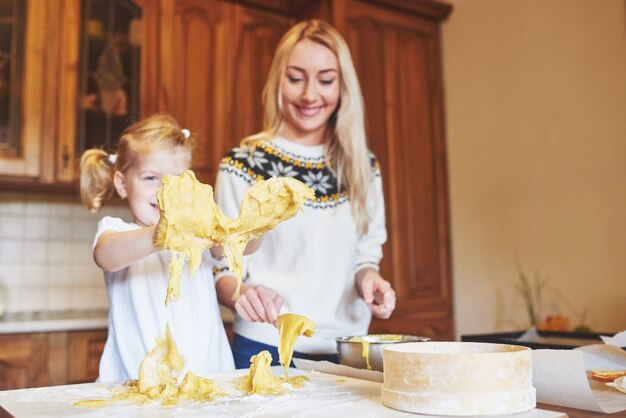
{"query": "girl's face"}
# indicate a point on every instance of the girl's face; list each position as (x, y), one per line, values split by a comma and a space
(140, 182)
(310, 92)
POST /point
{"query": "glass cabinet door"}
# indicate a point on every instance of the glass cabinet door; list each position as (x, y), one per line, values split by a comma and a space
(109, 72)
(11, 58)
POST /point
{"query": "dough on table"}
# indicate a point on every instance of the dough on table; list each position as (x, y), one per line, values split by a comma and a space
(191, 221)
(290, 326)
(262, 381)
(158, 380)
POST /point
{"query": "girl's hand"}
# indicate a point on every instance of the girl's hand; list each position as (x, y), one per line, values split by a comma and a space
(377, 293)
(259, 304)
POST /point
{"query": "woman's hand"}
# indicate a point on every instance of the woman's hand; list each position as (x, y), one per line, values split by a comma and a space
(377, 292)
(259, 304)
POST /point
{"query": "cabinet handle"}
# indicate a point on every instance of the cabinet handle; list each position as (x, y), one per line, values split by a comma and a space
(66, 156)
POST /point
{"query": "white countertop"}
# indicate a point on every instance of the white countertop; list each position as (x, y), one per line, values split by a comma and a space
(56, 321)
(326, 395)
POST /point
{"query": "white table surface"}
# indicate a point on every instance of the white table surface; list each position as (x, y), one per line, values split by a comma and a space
(325, 396)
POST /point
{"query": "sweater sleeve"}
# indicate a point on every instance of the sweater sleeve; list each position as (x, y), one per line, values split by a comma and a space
(370, 245)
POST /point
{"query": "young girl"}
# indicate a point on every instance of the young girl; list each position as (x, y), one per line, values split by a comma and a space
(323, 263)
(136, 273)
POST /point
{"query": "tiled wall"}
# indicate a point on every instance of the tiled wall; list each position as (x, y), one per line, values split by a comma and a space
(46, 262)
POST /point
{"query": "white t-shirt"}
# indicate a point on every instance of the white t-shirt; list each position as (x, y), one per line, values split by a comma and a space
(311, 259)
(138, 315)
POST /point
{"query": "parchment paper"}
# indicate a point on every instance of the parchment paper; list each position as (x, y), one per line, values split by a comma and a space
(563, 377)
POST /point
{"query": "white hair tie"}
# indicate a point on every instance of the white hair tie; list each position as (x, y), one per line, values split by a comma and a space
(186, 132)
(112, 158)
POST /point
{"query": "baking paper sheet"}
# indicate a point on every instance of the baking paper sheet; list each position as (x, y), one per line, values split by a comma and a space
(563, 377)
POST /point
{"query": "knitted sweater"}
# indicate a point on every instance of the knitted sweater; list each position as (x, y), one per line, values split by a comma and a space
(311, 259)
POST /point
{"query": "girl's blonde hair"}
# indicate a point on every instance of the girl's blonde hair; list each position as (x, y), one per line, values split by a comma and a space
(345, 149)
(97, 166)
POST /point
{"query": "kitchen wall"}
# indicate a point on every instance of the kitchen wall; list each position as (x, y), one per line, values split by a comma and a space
(536, 131)
(45, 252)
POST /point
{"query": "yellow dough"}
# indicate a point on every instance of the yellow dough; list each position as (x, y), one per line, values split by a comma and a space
(365, 343)
(261, 380)
(290, 326)
(191, 222)
(189, 216)
(159, 369)
(158, 380)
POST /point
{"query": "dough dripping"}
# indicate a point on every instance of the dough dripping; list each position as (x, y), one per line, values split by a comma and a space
(367, 339)
(290, 326)
(191, 221)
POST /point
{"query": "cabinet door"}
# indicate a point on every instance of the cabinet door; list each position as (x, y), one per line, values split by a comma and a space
(83, 356)
(48, 151)
(397, 56)
(220, 56)
(23, 361)
(20, 157)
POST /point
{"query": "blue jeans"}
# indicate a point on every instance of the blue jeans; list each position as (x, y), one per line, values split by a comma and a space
(244, 348)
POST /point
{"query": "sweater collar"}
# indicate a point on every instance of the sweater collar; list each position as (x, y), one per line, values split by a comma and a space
(309, 151)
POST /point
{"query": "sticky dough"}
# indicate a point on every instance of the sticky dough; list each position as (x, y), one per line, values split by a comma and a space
(158, 380)
(290, 326)
(191, 221)
(261, 380)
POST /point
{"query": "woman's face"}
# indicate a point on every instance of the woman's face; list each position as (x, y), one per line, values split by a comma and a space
(310, 92)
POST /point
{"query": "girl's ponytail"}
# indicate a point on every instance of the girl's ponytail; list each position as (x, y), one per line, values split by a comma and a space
(96, 178)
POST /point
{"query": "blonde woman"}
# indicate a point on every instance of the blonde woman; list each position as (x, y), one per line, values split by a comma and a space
(323, 263)
(135, 271)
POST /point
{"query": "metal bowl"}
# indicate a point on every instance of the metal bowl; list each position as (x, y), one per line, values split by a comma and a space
(351, 349)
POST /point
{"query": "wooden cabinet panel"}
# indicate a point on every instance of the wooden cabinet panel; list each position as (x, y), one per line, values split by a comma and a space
(48, 153)
(24, 162)
(258, 35)
(47, 359)
(200, 31)
(397, 56)
(84, 351)
(222, 53)
(23, 361)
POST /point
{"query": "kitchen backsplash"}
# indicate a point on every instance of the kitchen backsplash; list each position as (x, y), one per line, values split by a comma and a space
(46, 262)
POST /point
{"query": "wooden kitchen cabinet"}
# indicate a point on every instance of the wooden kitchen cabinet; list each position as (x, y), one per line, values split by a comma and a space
(206, 62)
(47, 153)
(50, 358)
(215, 56)
(396, 48)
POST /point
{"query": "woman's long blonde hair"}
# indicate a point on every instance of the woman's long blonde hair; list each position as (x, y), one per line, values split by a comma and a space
(97, 166)
(345, 149)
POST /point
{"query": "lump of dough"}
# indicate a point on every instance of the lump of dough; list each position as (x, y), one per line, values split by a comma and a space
(260, 379)
(159, 369)
(191, 222)
(158, 380)
(199, 388)
(290, 326)
(188, 219)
